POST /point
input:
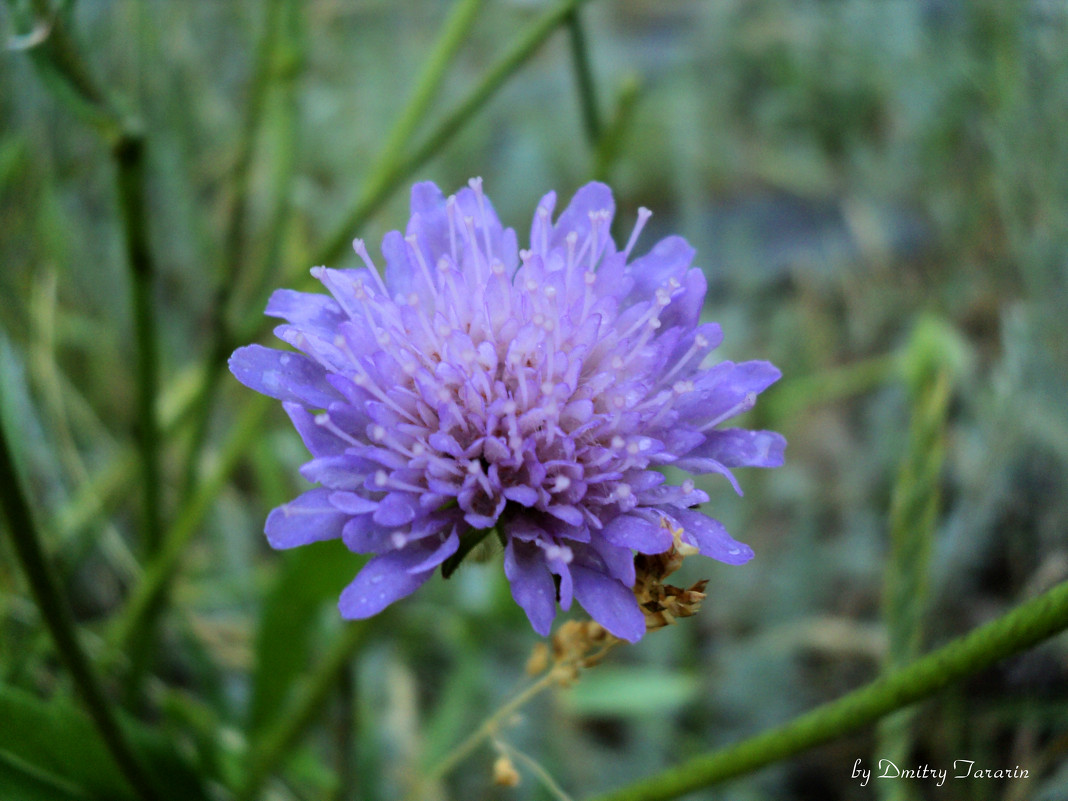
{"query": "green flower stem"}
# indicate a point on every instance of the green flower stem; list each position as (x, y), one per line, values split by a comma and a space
(1028, 624)
(65, 71)
(610, 142)
(129, 158)
(480, 735)
(580, 59)
(152, 589)
(277, 741)
(453, 33)
(913, 520)
(60, 622)
(224, 340)
(495, 77)
(270, 43)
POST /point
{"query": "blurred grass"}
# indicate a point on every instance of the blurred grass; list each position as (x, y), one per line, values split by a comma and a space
(845, 170)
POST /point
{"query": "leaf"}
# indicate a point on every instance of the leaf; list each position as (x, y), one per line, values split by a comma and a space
(54, 743)
(309, 577)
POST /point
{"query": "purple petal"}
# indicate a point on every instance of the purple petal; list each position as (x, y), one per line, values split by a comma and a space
(738, 447)
(703, 464)
(525, 496)
(616, 561)
(447, 548)
(670, 258)
(308, 518)
(282, 375)
(609, 603)
(316, 313)
(362, 535)
(592, 197)
(345, 472)
(531, 583)
(643, 536)
(318, 440)
(382, 581)
(396, 509)
(685, 308)
(710, 537)
(352, 504)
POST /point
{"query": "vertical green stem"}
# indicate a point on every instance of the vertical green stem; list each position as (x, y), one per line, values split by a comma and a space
(233, 258)
(57, 616)
(580, 59)
(149, 592)
(346, 734)
(129, 162)
(913, 520)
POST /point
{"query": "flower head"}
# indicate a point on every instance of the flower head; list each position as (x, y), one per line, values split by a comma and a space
(478, 387)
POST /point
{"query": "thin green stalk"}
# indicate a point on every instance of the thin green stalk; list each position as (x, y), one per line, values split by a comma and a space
(610, 142)
(129, 157)
(1023, 627)
(345, 735)
(480, 735)
(278, 741)
(152, 588)
(57, 616)
(65, 70)
(224, 340)
(377, 192)
(563, 669)
(233, 250)
(913, 520)
(453, 33)
(580, 60)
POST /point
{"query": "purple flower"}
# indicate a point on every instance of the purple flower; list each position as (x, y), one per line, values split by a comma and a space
(481, 388)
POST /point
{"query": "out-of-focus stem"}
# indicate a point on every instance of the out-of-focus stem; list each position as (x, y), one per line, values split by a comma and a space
(1023, 627)
(275, 37)
(129, 155)
(57, 616)
(142, 604)
(514, 58)
(269, 751)
(913, 520)
(580, 59)
(272, 39)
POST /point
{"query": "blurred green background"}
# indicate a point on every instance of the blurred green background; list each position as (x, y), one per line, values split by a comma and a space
(878, 193)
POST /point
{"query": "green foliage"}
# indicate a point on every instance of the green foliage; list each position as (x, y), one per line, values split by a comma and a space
(877, 193)
(53, 746)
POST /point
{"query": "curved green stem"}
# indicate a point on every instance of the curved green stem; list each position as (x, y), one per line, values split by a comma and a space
(60, 622)
(1028, 624)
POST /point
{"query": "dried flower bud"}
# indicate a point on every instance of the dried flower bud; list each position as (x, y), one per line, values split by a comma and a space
(504, 772)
